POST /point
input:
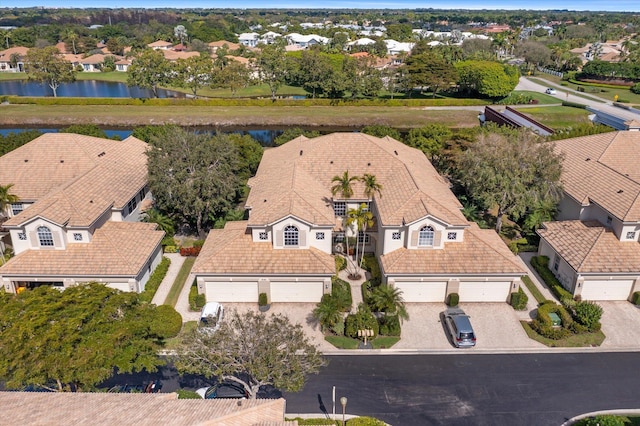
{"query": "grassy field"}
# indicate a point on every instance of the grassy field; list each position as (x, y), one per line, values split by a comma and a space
(557, 117)
(330, 117)
(605, 93)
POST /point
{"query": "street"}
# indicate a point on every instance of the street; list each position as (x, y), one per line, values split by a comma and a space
(468, 389)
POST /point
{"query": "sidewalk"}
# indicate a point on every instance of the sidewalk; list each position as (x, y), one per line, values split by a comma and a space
(532, 304)
(167, 282)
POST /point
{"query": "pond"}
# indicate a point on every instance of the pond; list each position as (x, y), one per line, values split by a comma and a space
(82, 89)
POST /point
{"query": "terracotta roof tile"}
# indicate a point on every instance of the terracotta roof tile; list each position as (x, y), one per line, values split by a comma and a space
(296, 179)
(589, 247)
(604, 169)
(34, 408)
(482, 252)
(232, 251)
(116, 249)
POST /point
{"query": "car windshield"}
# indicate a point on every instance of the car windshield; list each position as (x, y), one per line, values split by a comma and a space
(209, 321)
(466, 336)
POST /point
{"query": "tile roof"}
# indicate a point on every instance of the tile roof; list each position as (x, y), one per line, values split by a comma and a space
(589, 247)
(75, 178)
(482, 252)
(296, 179)
(116, 249)
(160, 43)
(232, 251)
(604, 169)
(35, 408)
(5, 55)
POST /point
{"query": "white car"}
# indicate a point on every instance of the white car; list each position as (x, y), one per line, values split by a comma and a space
(211, 316)
(550, 91)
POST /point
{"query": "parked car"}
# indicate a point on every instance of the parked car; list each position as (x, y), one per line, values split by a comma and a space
(211, 316)
(225, 389)
(459, 328)
(151, 387)
(550, 91)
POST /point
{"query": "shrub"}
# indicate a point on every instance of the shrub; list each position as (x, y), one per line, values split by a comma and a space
(370, 263)
(196, 301)
(167, 322)
(338, 327)
(540, 264)
(604, 420)
(198, 243)
(635, 299)
(170, 249)
(169, 241)
(574, 104)
(155, 280)
(544, 326)
(341, 293)
(187, 394)
(365, 421)
(389, 325)
(453, 299)
(588, 313)
(366, 288)
(341, 263)
(519, 300)
(363, 319)
(262, 299)
(189, 251)
(635, 89)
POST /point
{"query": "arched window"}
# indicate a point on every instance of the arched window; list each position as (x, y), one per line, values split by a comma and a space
(290, 236)
(425, 238)
(45, 237)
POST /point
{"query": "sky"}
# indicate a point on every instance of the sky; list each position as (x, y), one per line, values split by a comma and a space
(594, 5)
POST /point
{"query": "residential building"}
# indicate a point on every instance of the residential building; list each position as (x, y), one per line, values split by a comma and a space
(78, 215)
(12, 59)
(305, 41)
(593, 247)
(249, 39)
(160, 45)
(295, 225)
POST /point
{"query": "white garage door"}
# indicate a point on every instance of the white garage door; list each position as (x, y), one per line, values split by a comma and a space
(484, 291)
(231, 291)
(606, 290)
(119, 286)
(292, 291)
(417, 291)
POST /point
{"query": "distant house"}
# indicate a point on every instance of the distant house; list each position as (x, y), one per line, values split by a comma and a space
(93, 63)
(215, 45)
(78, 215)
(593, 246)
(123, 65)
(269, 37)
(249, 39)
(173, 55)
(396, 48)
(160, 45)
(7, 59)
(305, 41)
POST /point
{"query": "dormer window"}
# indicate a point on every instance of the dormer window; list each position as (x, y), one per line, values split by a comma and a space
(425, 237)
(290, 236)
(45, 237)
(16, 208)
(339, 208)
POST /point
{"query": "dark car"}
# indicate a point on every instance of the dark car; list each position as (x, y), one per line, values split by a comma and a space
(459, 327)
(151, 387)
(226, 389)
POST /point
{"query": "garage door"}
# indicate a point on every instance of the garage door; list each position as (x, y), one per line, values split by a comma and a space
(231, 291)
(417, 291)
(606, 290)
(292, 291)
(484, 291)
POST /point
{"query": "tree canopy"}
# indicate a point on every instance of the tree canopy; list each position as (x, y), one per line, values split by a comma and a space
(46, 65)
(490, 79)
(76, 337)
(252, 349)
(149, 71)
(511, 173)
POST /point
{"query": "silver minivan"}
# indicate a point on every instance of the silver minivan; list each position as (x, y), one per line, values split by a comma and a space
(459, 327)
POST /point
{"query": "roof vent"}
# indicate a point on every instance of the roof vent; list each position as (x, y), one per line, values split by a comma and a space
(62, 161)
(102, 154)
(395, 152)
(265, 200)
(588, 159)
(368, 164)
(331, 162)
(620, 191)
(300, 152)
(91, 201)
(26, 161)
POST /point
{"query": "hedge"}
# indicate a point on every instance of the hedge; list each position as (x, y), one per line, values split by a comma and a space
(389, 325)
(573, 105)
(453, 299)
(341, 293)
(544, 326)
(155, 280)
(540, 264)
(519, 300)
(635, 299)
(341, 263)
(168, 322)
(370, 263)
(196, 301)
(190, 251)
(606, 86)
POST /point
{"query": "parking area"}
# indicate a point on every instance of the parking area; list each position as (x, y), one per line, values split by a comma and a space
(621, 324)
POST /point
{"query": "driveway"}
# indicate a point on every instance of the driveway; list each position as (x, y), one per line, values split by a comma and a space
(621, 324)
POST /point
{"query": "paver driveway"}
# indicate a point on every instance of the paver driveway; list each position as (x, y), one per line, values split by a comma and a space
(621, 325)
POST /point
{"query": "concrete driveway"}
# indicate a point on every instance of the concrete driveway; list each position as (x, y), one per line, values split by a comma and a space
(621, 325)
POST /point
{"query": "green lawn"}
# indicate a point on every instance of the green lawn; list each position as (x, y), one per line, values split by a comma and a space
(384, 342)
(533, 289)
(187, 327)
(342, 342)
(574, 341)
(5, 76)
(117, 76)
(178, 284)
(557, 117)
(542, 98)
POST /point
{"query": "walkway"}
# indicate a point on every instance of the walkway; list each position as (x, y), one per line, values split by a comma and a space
(356, 287)
(532, 305)
(169, 278)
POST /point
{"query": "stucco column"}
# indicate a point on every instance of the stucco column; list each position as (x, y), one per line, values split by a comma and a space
(635, 287)
(264, 286)
(326, 286)
(577, 290)
(453, 286)
(515, 285)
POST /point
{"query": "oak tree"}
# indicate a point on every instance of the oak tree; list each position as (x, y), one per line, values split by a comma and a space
(47, 65)
(150, 70)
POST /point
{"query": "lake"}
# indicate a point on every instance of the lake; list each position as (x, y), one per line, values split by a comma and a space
(82, 89)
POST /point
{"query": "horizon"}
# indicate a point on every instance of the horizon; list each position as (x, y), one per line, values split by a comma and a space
(511, 5)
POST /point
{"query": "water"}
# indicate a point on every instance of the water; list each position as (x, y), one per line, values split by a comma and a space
(82, 89)
(264, 136)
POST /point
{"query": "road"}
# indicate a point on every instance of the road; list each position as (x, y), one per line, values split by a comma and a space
(566, 94)
(469, 389)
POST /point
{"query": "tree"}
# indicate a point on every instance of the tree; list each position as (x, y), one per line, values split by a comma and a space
(48, 66)
(510, 173)
(149, 71)
(327, 312)
(487, 78)
(194, 73)
(363, 219)
(85, 129)
(6, 35)
(71, 36)
(314, 69)
(76, 338)
(429, 70)
(371, 185)
(272, 66)
(252, 349)
(180, 32)
(534, 53)
(6, 197)
(164, 222)
(234, 76)
(291, 133)
(429, 139)
(380, 131)
(343, 185)
(388, 299)
(193, 177)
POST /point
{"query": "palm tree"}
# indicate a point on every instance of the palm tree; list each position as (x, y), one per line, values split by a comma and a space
(72, 37)
(164, 222)
(6, 35)
(388, 299)
(343, 185)
(362, 218)
(6, 197)
(327, 312)
(371, 186)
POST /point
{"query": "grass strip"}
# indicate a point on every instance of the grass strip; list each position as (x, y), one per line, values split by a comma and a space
(172, 343)
(181, 278)
(533, 289)
(342, 342)
(384, 342)
(583, 340)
